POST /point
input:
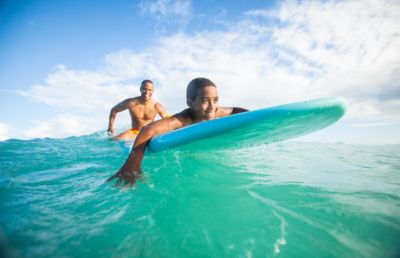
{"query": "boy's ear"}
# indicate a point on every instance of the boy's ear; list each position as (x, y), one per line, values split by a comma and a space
(189, 102)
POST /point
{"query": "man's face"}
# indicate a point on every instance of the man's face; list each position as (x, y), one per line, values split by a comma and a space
(205, 104)
(147, 91)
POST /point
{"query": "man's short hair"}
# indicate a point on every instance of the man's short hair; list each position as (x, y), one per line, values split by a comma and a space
(144, 83)
(195, 85)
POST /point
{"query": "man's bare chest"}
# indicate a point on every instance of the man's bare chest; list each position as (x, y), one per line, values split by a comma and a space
(143, 112)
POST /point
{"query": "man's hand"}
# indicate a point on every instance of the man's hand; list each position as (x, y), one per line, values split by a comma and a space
(110, 131)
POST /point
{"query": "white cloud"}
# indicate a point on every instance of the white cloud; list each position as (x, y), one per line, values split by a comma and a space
(298, 51)
(372, 124)
(88, 91)
(3, 132)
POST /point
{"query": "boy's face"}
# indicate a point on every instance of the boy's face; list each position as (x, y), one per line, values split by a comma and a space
(205, 104)
(147, 91)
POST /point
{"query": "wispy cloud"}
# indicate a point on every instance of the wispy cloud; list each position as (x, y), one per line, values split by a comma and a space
(167, 13)
(166, 8)
(297, 51)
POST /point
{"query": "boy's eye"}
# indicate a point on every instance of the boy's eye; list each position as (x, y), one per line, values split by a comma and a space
(205, 101)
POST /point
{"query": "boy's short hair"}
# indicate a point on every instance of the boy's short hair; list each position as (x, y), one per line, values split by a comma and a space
(144, 82)
(195, 85)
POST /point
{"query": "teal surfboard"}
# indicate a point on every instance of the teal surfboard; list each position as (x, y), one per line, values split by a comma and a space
(262, 126)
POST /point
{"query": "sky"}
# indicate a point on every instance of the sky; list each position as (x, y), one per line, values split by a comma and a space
(65, 64)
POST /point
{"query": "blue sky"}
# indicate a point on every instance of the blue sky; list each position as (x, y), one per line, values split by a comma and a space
(64, 64)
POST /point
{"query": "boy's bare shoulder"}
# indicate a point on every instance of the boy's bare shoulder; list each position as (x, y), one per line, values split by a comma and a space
(186, 116)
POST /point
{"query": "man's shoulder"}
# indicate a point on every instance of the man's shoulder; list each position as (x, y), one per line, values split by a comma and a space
(157, 104)
(133, 101)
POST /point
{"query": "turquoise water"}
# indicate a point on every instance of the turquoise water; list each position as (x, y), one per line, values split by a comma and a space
(287, 199)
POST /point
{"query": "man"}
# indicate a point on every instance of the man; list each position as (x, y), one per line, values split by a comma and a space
(143, 110)
(202, 99)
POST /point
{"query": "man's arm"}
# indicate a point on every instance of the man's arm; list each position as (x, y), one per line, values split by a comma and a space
(130, 170)
(161, 110)
(113, 113)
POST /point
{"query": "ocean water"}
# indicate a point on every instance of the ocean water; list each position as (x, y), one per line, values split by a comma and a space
(287, 199)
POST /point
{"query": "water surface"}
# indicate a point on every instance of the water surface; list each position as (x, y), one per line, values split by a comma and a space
(288, 199)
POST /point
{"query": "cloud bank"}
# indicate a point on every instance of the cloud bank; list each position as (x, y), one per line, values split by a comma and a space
(294, 52)
(3, 132)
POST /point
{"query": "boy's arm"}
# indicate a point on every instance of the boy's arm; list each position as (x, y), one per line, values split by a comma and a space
(226, 111)
(130, 170)
(113, 113)
(237, 110)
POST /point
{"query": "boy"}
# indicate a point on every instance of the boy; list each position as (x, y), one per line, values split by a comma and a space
(143, 109)
(202, 99)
